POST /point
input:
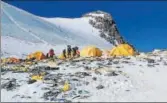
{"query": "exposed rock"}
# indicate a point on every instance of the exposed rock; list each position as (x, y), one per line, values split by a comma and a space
(82, 74)
(51, 95)
(150, 60)
(94, 78)
(127, 90)
(109, 63)
(106, 25)
(113, 73)
(31, 81)
(118, 67)
(100, 87)
(165, 63)
(115, 62)
(87, 68)
(150, 65)
(125, 62)
(23, 96)
(97, 72)
(74, 79)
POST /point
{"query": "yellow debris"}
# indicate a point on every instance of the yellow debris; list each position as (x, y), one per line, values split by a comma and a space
(61, 56)
(66, 87)
(37, 77)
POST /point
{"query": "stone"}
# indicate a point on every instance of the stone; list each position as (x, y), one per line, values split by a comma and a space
(113, 73)
(100, 87)
(31, 81)
(94, 78)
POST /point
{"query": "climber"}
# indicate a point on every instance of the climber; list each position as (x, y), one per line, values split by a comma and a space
(64, 53)
(74, 51)
(77, 51)
(69, 51)
(50, 54)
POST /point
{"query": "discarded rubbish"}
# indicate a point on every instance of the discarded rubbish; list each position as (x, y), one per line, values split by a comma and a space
(66, 87)
(37, 77)
(10, 85)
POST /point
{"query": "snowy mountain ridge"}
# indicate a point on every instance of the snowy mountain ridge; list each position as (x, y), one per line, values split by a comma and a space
(58, 32)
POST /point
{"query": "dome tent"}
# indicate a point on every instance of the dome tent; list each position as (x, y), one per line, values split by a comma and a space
(91, 51)
(37, 55)
(122, 50)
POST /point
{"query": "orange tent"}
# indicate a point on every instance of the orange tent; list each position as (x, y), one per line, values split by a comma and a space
(14, 60)
(10, 60)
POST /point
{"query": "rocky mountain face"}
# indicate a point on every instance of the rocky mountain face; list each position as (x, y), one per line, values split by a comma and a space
(106, 25)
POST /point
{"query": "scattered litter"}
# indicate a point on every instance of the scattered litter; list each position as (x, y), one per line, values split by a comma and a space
(82, 74)
(66, 87)
(37, 77)
(113, 73)
(10, 85)
(51, 95)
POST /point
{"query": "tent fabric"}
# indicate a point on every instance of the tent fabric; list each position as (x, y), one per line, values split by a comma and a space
(91, 51)
(10, 60)
(122, 50)
(106, 53)
(37, 55)
(61, 56)
(37, 77)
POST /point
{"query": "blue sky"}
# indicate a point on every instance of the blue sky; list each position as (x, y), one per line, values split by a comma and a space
(142, 23)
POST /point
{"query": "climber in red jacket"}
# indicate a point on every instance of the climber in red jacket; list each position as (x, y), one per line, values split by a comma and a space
(50, 54)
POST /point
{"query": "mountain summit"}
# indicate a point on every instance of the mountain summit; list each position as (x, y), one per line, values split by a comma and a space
(106, 25)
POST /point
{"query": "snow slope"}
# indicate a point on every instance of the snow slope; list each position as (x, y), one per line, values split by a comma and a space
(79, 27)
(26, 27)
(136, 81)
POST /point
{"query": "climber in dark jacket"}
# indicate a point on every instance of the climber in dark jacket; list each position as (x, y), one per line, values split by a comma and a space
(69, 51)
(64, 53)
(74, 51)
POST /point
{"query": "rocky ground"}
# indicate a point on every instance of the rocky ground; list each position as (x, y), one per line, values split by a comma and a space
(139, 78)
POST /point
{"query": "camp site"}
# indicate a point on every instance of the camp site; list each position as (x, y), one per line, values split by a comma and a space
(107, 55)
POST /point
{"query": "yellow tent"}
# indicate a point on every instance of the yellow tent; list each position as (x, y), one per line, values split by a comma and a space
(122, 50)
(37, 55)
(90, 51)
